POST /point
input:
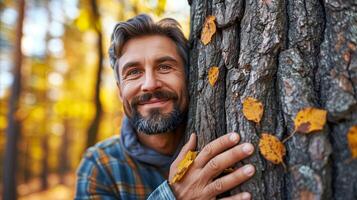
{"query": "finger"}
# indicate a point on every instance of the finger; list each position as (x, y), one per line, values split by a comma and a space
(230, 181)
(189, 146)
(240, 196)
(215, 147)
(226, 159)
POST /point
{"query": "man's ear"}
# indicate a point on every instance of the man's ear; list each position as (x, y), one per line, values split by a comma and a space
(120, 94)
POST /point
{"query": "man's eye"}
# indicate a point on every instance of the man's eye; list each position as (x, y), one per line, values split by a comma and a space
(164, 67)
(133, 72)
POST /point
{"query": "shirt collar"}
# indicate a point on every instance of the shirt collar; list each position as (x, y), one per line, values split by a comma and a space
(139, 152)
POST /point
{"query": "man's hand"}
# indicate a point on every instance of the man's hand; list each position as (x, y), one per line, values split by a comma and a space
(199, 181)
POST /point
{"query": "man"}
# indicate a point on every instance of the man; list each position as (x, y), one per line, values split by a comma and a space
(150, 63)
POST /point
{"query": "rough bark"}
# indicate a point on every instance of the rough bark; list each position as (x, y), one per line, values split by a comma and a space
(336, 83)
(13, 130)
(289, 54)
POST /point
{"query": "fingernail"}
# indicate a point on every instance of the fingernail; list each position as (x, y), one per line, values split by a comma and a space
(247, 148)
(248, 170)
(245, 196)
(233, 137)
(192, 134)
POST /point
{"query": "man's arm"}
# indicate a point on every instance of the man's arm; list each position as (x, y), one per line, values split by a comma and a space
(200, 180)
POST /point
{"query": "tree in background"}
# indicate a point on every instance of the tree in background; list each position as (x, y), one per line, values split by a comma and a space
(62, 47)
(94, 125)
(288, 55)
(13, 131)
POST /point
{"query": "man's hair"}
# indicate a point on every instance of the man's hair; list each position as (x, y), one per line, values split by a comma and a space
(143, 25)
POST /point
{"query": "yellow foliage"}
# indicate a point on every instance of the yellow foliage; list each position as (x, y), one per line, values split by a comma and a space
(83, 22)
(272, 148)
(253, 109)
(310, 119)
(213, 75)
(3, 122)
(208, 30)
(36, 152)
(38, 113)
(70, 108)
(352, 140)
(184, 165)
(228, 170)
(160, 8)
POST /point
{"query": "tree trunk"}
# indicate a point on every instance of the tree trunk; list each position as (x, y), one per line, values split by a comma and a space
(64, 165)
(288, 54)
(13, 130)
(27, 161)
(44, 162)
(94, 126)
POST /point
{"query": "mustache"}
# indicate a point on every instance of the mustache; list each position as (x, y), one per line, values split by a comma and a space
(160, 94)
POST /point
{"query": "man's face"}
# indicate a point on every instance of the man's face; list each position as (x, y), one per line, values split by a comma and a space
(152, 84)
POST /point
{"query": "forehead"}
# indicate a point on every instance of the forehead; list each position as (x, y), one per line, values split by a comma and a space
(148, 47)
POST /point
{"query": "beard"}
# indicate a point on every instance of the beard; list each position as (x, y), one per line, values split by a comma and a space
(156, 122)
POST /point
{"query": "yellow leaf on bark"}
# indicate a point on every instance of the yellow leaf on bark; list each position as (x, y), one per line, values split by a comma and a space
(228, 170)
(272, 148)
(208, 30)
(253, 109)
(184, 165)
(213, 75)
(352, 140)
(310, 119)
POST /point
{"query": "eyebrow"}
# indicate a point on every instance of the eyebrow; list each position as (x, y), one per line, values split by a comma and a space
(166, 58)
(158, 60)
(129, 64)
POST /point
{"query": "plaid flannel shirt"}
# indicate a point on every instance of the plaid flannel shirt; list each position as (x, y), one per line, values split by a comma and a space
(107, 172)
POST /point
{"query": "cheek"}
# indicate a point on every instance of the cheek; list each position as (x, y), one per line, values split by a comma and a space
(128, 90)
(180, 87)
(127, 94)
(127, 109)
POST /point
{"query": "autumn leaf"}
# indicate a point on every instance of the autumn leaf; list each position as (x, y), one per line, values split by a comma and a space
(184, 165)
(352, 140)
(310, 119)
(253, 109)
(228, 170)
(272, 148)
(213, 75)
(208, 30)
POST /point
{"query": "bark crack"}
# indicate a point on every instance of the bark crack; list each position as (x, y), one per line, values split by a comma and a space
(287, 26)
(315, 69)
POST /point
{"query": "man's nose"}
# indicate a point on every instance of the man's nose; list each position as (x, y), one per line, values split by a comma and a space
(151, 82)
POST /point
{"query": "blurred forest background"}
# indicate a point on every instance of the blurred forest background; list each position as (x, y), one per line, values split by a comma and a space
(57, 91)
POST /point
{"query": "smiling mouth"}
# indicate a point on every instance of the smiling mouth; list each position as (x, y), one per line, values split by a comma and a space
(154, 101)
